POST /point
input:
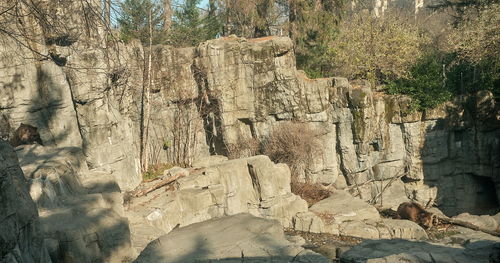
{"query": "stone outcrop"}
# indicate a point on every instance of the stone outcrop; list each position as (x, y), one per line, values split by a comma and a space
(252, 185)
(81, 217)
(19, 223)
(236, 238)
(221, 98)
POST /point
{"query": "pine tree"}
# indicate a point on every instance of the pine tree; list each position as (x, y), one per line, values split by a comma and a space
(191, 26)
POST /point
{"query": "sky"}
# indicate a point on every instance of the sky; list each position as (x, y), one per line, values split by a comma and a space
(203, 3)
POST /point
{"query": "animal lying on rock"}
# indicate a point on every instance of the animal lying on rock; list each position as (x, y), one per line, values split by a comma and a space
(26, 134)
(416, 213)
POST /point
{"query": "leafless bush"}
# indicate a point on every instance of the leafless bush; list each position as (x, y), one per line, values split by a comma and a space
(243, 148)
(295, 144)
(312, 193)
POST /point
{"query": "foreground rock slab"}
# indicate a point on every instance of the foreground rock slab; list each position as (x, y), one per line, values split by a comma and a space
(228, 239)
(19, 228)
(400, 250)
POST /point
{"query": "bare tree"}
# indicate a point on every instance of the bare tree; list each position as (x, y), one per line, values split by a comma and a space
(107, 13)
(146, 107)
(167, 13)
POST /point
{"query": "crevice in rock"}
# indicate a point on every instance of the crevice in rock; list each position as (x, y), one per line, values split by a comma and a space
(58, 59)
(343, 171)
(282, 53)
(63, 41)
(210, 112)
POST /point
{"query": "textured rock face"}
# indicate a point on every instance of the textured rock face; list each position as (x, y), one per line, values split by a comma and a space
(80, 211)
(236, 238)
(385, 153)
(19, 228)
(252, 185)
(230, 91)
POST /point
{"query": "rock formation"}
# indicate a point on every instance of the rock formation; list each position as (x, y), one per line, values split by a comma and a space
(236, 238)
(82, 92)
(20, 239)
(252, 185)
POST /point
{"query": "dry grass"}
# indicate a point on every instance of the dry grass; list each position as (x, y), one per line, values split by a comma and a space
(155, 171)
(296, 144)
(327, 218)
(293, 143)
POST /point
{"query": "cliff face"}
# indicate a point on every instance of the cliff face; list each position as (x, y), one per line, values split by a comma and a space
(230, 91)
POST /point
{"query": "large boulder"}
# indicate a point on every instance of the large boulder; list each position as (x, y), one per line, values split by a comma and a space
(341, 207)
(81, 217)
(19, 229)
(236, 238)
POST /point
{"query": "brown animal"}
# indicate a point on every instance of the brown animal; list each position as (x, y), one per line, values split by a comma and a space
(416, 213)
(26, 134)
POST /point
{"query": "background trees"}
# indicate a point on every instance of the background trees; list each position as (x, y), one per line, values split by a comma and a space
(377, 49)
(192, 25)
(429, 53)
(133, 20)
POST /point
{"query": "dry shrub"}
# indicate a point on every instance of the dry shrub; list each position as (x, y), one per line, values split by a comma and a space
(244, 147)
(312, 193)
(296, 144)
(293, 143)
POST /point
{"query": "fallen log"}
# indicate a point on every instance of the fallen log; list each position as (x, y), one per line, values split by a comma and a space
(159, 185)
(467, 225)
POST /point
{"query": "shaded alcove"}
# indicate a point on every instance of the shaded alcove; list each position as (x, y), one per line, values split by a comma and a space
(460, 155)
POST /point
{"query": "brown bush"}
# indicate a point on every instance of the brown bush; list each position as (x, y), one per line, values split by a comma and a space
(312, 193)
(243, 148)
(293, 143)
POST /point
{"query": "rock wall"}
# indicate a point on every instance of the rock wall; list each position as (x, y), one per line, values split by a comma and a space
(385, 152)
(232, 91)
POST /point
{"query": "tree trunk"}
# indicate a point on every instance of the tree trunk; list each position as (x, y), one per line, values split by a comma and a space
(467, 225)
(145, 104)
(107, 13)
(211, 8)
(167, 13)
(292, 18)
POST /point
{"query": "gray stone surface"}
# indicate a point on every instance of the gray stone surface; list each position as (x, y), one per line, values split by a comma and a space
(252, 185)
(20, 239)
(400, 250)
(341, 207)
(236, 238)
(484, 221)
(80, 211)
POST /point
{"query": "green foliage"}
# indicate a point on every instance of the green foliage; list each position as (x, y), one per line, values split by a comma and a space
(464, 77)
(313, 29)
(425, 83)
(190, 27)
(470, 62)
(437, 77)
(134, 20)
(378, 49)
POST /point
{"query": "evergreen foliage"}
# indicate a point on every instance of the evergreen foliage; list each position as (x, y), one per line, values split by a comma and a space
(134, 20)
(190, 27)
